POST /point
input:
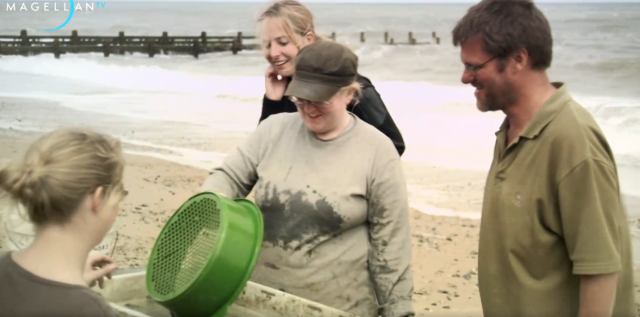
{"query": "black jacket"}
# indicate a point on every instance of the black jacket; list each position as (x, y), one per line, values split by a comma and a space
(370, 109)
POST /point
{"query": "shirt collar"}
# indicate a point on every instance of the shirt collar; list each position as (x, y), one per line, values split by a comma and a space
(545, 115)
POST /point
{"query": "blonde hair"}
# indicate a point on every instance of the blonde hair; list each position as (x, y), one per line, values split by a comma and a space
(356, 87)
(60, 169)
(295, 18)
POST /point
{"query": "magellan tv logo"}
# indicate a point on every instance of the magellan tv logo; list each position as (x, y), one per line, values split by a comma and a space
(56, 6)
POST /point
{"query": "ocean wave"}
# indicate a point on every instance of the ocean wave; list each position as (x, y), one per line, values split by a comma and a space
(616, 110)
(620, 67)
(628, 160)
(183, 74)
(623, 117)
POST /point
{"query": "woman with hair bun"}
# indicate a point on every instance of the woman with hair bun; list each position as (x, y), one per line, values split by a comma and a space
(70, 184)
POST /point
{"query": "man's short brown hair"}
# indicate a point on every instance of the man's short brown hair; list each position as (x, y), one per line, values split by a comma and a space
(506, 26)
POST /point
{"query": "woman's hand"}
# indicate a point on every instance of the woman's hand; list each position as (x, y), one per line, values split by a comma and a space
(98, 266)
(274, 87)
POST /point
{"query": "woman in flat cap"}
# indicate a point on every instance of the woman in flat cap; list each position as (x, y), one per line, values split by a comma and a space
(332, 193)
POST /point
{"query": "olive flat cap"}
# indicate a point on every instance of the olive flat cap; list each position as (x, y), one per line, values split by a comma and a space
(322, 69)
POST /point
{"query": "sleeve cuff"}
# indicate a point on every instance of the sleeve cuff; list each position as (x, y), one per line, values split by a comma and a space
(398, 309)
(271, 103)
(597, 268)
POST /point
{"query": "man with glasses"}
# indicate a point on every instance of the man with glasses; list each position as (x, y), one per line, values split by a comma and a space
(554, 236)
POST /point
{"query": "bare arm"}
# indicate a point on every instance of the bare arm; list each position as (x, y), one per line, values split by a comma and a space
(597, 295)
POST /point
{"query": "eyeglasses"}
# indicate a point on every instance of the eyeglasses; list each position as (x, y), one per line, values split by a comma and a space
(299, 102)
(475, 68)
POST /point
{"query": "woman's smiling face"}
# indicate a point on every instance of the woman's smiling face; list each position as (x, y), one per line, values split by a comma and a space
(279, 48)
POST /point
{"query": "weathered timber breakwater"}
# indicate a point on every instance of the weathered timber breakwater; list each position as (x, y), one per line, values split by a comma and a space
(26, 45)
(165, 44)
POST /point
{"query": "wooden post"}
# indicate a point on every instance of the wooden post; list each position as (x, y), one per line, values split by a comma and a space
(333, 36)
(234, 46)
(196, 48)
(151, 45)
(24, 37)
(74, 40)
(203, 36)
(164, 41)
(56, 48)
(386, 37)
(165, 38)
(121, 42)
(438, 40)
(25, 42)
(391, 41)
(433, 34)
(361, 37)
(106, 47)
(239, 43)
(411, 39)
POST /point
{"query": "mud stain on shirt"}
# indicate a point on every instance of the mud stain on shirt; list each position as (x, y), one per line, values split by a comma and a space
(272, 266)
(292, 217)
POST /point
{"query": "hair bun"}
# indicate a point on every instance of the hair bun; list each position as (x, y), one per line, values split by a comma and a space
(30, 181)
(20, 182)
(58, 172)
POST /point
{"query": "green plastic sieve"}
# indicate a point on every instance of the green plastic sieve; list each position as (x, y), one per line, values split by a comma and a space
(204, 255)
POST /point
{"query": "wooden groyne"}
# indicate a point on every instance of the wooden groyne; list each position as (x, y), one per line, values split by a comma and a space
(24, 44)
(411, 40)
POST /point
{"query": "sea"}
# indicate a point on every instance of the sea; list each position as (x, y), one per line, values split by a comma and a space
(596, 53)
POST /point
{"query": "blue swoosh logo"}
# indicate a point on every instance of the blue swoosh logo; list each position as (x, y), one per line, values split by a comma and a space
(65, 22)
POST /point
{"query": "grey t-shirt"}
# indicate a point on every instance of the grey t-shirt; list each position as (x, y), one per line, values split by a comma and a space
(336, 224)
(23, 294)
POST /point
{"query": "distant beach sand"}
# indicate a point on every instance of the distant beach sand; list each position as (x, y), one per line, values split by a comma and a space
(444, 247)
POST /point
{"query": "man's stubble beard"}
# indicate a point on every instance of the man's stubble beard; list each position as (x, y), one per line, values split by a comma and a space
(497, 99)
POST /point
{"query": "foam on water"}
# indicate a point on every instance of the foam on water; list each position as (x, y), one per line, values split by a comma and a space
(190, 157)
(619, 119)
(132, 78)
(183, 160)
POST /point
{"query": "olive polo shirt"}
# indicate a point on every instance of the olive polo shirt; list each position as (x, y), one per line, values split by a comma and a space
(552, 211)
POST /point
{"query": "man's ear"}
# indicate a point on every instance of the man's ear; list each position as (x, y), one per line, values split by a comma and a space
(520, 59)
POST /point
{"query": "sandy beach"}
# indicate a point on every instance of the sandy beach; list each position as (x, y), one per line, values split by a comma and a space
(444, 247)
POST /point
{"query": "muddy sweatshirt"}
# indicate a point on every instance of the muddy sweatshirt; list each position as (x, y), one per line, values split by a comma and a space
(336, 224)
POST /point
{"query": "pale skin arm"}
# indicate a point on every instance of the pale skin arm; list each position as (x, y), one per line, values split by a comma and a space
(597, 294)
